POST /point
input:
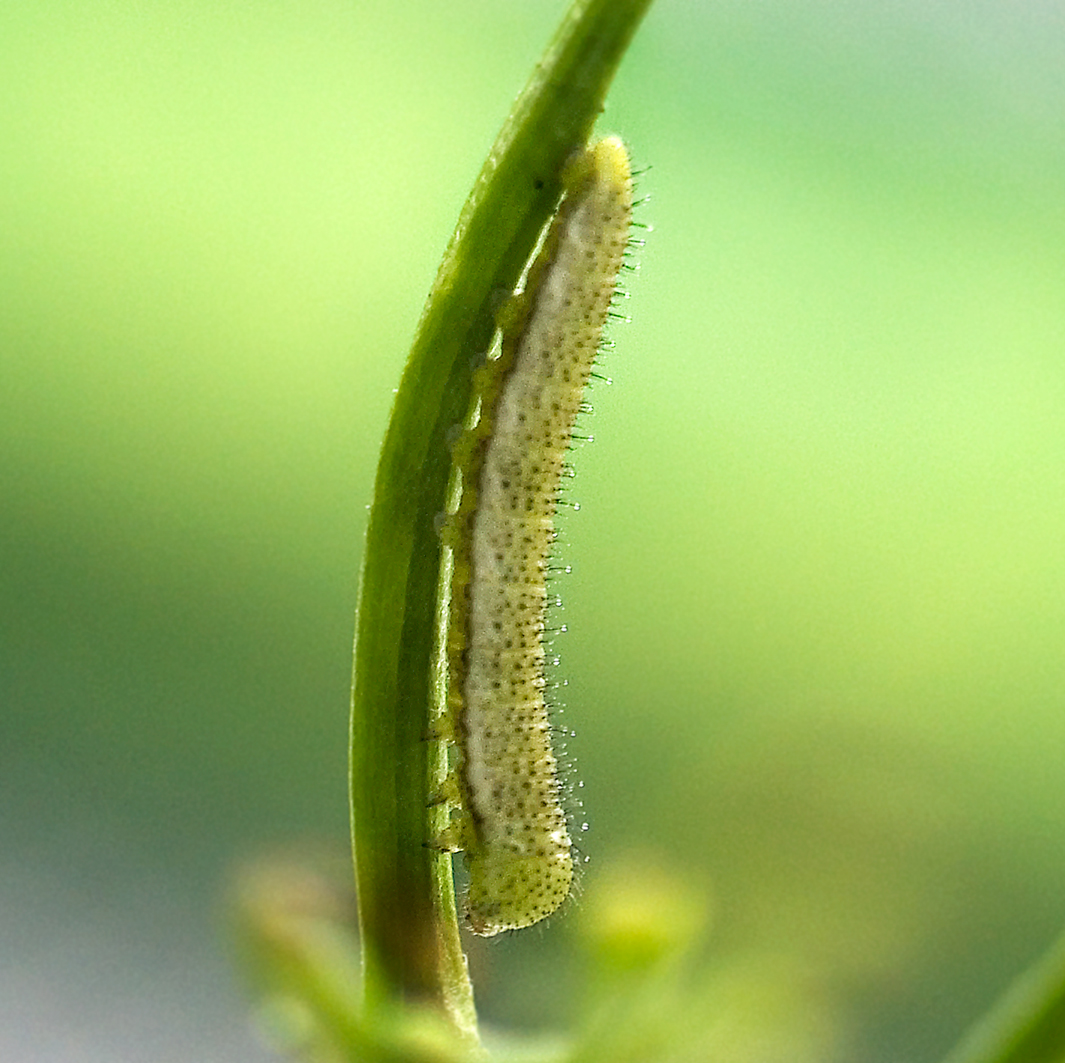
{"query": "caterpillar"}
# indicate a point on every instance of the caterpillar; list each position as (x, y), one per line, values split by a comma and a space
(512, 825)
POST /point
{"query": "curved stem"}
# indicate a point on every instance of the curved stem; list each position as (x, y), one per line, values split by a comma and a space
(411, 948)
(1028, 1024)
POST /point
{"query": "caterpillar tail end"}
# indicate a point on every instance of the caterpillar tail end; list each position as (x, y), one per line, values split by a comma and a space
(508, 892)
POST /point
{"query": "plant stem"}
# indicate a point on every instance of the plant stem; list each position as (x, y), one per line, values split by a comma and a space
(410, 941)
(1028, 1024)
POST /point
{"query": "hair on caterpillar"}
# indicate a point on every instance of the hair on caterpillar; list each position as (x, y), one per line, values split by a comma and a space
(513, 769)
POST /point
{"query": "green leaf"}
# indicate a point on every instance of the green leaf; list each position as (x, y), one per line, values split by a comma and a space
(411, 948)
(1028, 1023)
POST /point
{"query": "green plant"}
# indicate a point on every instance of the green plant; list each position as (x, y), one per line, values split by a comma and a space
(416, 999)
(411, 949)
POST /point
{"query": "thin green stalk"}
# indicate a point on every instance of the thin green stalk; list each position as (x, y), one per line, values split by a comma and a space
(411, 947)
(1028, 1024)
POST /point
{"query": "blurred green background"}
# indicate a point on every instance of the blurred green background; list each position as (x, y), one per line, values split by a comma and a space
(818, 603)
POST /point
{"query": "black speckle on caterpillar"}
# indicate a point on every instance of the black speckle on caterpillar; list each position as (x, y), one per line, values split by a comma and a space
(511, 823)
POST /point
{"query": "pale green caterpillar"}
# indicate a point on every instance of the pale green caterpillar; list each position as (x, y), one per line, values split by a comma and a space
(512, 825)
